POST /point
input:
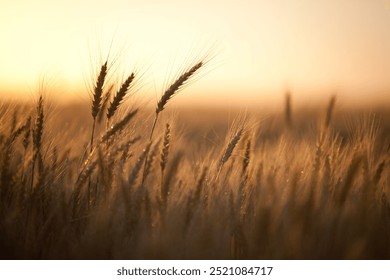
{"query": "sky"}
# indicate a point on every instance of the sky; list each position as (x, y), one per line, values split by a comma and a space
(258, 48)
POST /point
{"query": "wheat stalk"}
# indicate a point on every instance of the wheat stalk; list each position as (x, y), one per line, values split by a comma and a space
(134, 173)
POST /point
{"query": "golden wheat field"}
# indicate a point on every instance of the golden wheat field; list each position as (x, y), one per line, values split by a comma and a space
(119, 180)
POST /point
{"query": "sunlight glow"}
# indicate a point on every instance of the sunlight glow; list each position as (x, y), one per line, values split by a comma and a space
(261, 47)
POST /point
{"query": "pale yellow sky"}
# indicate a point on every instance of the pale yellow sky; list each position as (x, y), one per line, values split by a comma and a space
(261, 47)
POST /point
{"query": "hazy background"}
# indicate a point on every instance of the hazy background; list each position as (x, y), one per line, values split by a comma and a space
(262, 48)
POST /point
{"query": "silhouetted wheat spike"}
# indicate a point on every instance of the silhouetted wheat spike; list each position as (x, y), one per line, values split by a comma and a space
(26, 143)
(37, 137)
(98, 91)
(165, 150)
(329, 111)
(38, 129)
(150, 161)
(176, 86)
(229, 149)
(170, 92)
(288, 114)
(324, 129)
(247, 156)
(118, 126)
(18, 131)
(119, 96)
(97, 97)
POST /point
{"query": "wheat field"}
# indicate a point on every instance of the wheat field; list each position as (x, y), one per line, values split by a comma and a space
(118, 180)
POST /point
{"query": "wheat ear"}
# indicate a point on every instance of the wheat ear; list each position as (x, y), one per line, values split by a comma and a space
(172, 90)
(38, 129)
(229, 149)
(288, 113)
(165, 148)
(150, 160)
(247, 156)
(119, 96)
(97, 98)
(98, 90)
(37, 137)
(118, 126)
(329, 111)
